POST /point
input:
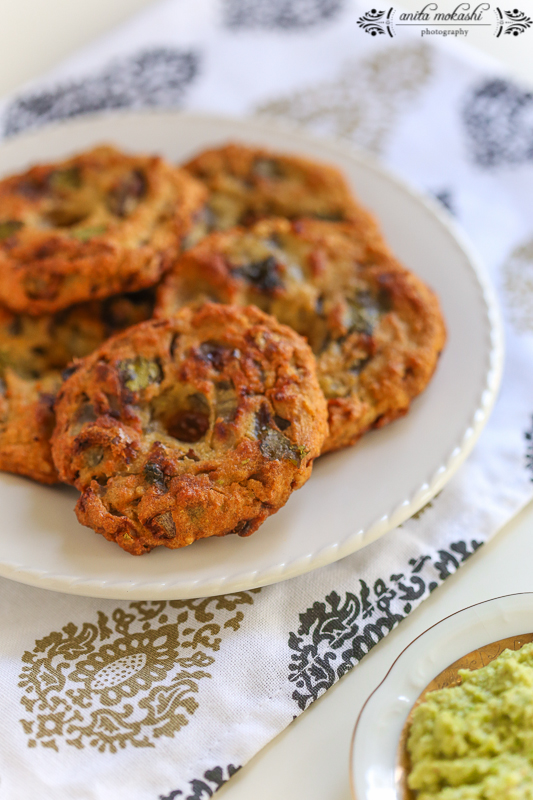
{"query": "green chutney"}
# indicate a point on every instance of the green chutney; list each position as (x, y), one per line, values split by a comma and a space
(475, 741)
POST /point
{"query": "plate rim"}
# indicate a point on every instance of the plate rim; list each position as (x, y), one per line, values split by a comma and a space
(400, 655)
(123, 589)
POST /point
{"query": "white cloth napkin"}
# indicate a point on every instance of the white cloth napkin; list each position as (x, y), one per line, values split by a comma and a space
(168, 699)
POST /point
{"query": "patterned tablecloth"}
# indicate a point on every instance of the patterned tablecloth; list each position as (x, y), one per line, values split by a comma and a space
(168, 699)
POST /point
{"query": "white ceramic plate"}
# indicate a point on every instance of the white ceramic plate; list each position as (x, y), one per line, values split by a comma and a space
(354, 496)
(374, 752)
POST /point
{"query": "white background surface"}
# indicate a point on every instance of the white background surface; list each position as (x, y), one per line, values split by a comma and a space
(310, 759)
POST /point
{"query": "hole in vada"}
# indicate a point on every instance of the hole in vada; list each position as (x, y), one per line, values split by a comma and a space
(187, 425)
(184, 417)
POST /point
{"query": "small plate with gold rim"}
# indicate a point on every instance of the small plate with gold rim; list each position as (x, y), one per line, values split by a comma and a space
(468, 639)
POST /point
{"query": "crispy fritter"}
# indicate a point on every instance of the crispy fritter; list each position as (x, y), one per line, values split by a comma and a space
(26, 424)
(33, 353)
(89, 227)
(247, 183)
(375, 329)
(195, 426)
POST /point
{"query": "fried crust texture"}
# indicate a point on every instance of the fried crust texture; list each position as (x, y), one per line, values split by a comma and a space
(246, 184)
(26, 424)
(34, 351)
(94, 225)
(375, 328)
(195, 426)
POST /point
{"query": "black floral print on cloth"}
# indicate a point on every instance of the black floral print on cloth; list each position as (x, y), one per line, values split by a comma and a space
(337, 633)
(279, 14)
(498, 117)
(155, 77)
(206, 786)
(445, 198)
(124, 679)
(364, 101)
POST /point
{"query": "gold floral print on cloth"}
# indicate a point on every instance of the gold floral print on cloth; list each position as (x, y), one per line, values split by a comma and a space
(125, 679)
(518, 286)
(422, 510)
(364, 101)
